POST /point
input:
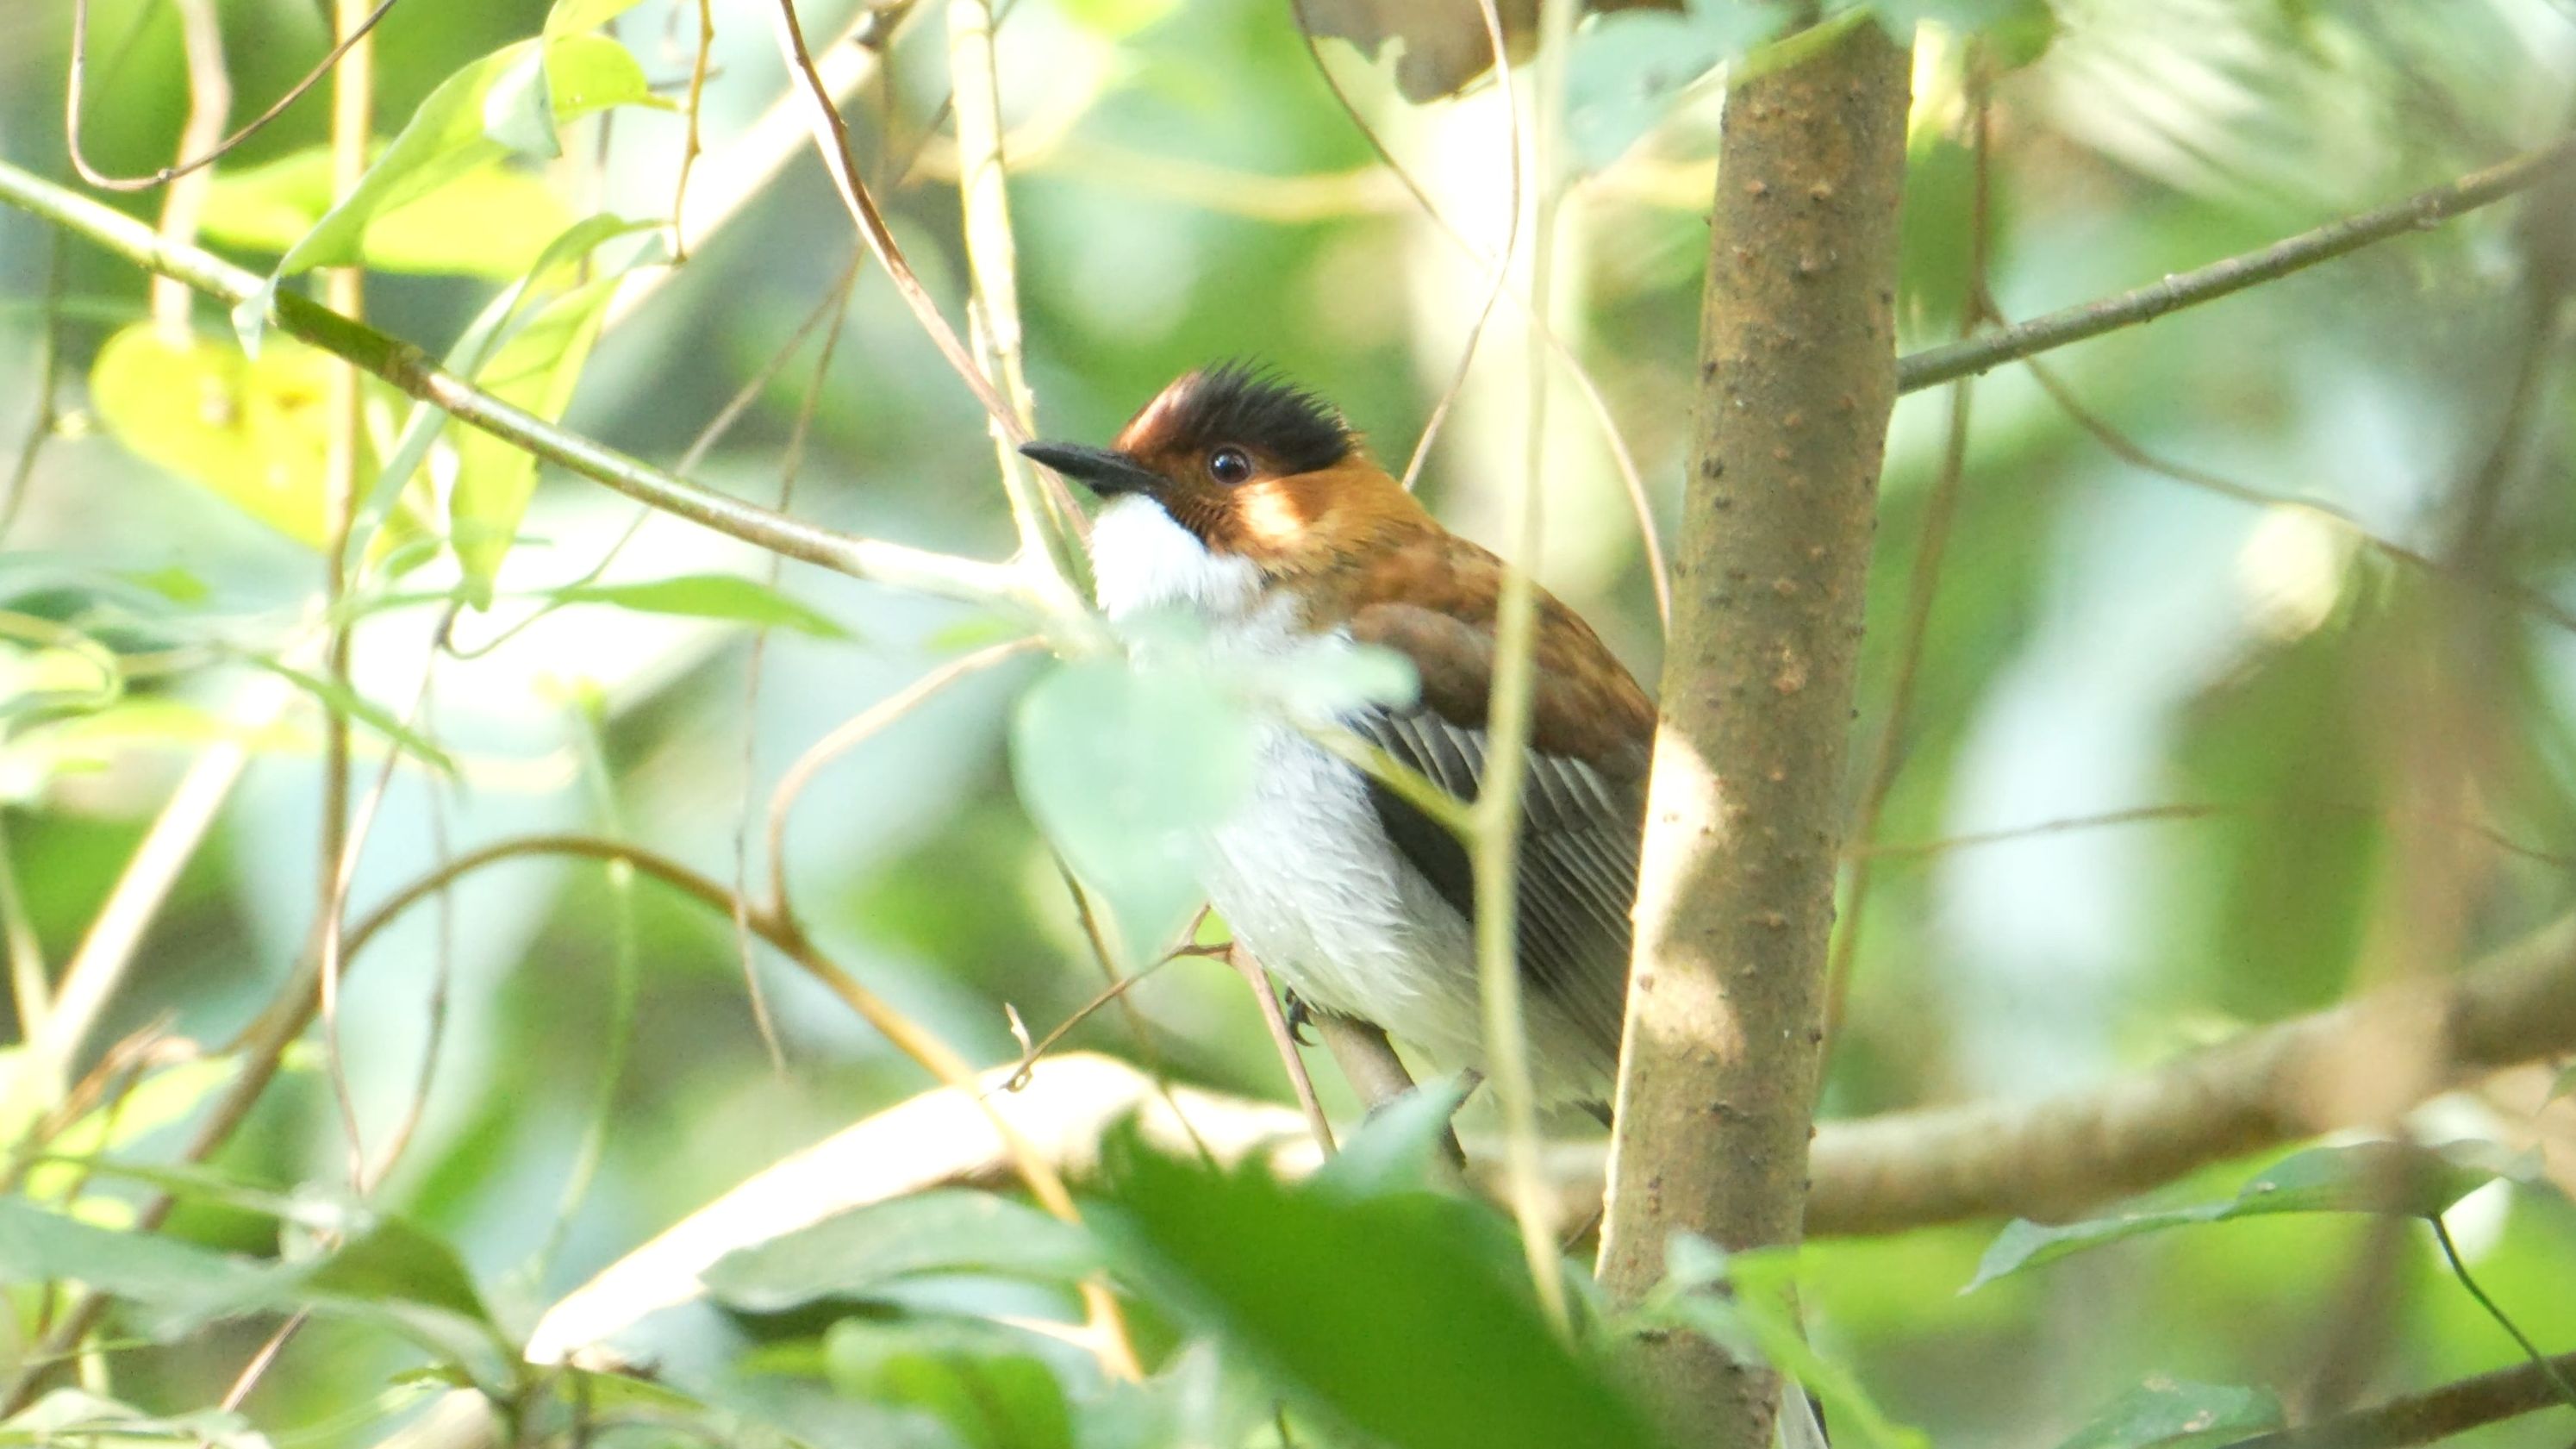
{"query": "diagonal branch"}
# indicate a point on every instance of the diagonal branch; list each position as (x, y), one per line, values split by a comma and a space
(1936, 365)
(410, 370)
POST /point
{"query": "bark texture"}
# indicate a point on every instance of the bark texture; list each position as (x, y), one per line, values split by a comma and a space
(1745, 810)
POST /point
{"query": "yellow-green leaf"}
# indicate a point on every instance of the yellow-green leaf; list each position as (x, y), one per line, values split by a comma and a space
(491, 221)
(536, 370)
(253, 431)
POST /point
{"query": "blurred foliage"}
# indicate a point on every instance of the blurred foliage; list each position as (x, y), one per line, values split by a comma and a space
(2280, 758)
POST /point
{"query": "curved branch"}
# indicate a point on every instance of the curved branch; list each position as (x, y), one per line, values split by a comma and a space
(2263, 1089)
(2454, 1408)
(411, 371)
(1936, 365)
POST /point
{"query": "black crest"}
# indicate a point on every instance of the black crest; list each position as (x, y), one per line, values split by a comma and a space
(1243, 403)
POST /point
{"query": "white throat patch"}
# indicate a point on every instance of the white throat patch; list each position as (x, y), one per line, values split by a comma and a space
(1141, 559)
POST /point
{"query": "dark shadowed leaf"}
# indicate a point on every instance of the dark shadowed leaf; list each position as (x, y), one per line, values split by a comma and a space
(974, 1380)
(1395, 1315)
(851, 1254)
(2171, 1411)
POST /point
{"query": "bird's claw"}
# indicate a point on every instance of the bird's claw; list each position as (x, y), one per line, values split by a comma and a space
(1300, 1016)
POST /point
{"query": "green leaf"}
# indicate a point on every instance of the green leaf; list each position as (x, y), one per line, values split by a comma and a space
(492, 220)
(38, 1246)
(340, 699)
(852, 1254)
(1757, 1322)
(559, 266)
(1394, 1149)
(2172, 1411)
(1123, 766)
(1117, 19)
(728, 597)
(492, 107)
(2561, 1085)
(255, 432)
(2369, 1177)
(536, 370)
(976, 1382)
(74, 1416)
(1405, 1317)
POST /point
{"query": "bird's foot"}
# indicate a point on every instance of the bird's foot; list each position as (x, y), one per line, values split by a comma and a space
(1300, 1015)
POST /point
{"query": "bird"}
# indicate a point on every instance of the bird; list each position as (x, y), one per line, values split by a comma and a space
(1249, 504)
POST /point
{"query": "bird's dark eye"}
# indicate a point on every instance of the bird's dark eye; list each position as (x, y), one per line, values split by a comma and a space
(1229, 465)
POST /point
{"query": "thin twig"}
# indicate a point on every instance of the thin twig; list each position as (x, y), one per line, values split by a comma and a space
(48, 369)
(1284, 1038)
(2460, 1270)
(1494, 847)
(349, 40)
(866, 723)
(210, 104)
(1934, 366)
(691, 146)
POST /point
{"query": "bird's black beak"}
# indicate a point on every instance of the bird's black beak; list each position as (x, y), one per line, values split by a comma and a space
(1102, 471)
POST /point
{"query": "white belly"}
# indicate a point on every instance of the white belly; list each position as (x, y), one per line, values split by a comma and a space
(1307, 879)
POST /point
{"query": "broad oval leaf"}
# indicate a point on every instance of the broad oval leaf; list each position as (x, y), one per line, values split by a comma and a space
(254, 431)
(2172, 1411)
(1124, 766)
(493, 220)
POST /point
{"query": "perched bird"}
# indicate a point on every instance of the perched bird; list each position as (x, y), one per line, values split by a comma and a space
(1252, 505)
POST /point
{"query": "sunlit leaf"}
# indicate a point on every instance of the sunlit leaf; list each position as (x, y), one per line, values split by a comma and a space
(490, 221)
(453, 131)
(537, 370)
(852, 1254)
(255, 432)
(1406, 1317)
(728, 597)
(2170, 1411)
(2370, 1177)
(1122, 766)
(74, 1416)
(1117, 19)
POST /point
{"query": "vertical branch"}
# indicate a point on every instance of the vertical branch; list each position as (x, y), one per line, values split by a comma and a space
(345, 289)
(992, 267)
(1744, 813)
(1496, 842)
(210, 104)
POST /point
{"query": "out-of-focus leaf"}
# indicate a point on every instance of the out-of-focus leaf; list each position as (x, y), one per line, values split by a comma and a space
(536, 370)
(2172, 1411)
(1121, 765)
(564, 262)
(728, 597)
(976, 1383)
(340, 699)
(851, 1254)
(490, 221)
(1627, 72)
(1329, 678)
(2370, 1177)
(1388, 1314)
(74, 678)
(38, 1246)
(1756, 1321)
(1444, 48)
(2561, 1085)
(74, 1416)
(253, 431)
(1394, 1149)
(171, 582)
(2016, 32)
(1117, 19)
(473, 119)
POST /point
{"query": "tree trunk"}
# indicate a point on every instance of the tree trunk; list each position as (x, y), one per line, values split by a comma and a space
(1745, 813)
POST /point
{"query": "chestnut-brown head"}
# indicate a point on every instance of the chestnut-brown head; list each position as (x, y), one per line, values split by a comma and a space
(1229, 481)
